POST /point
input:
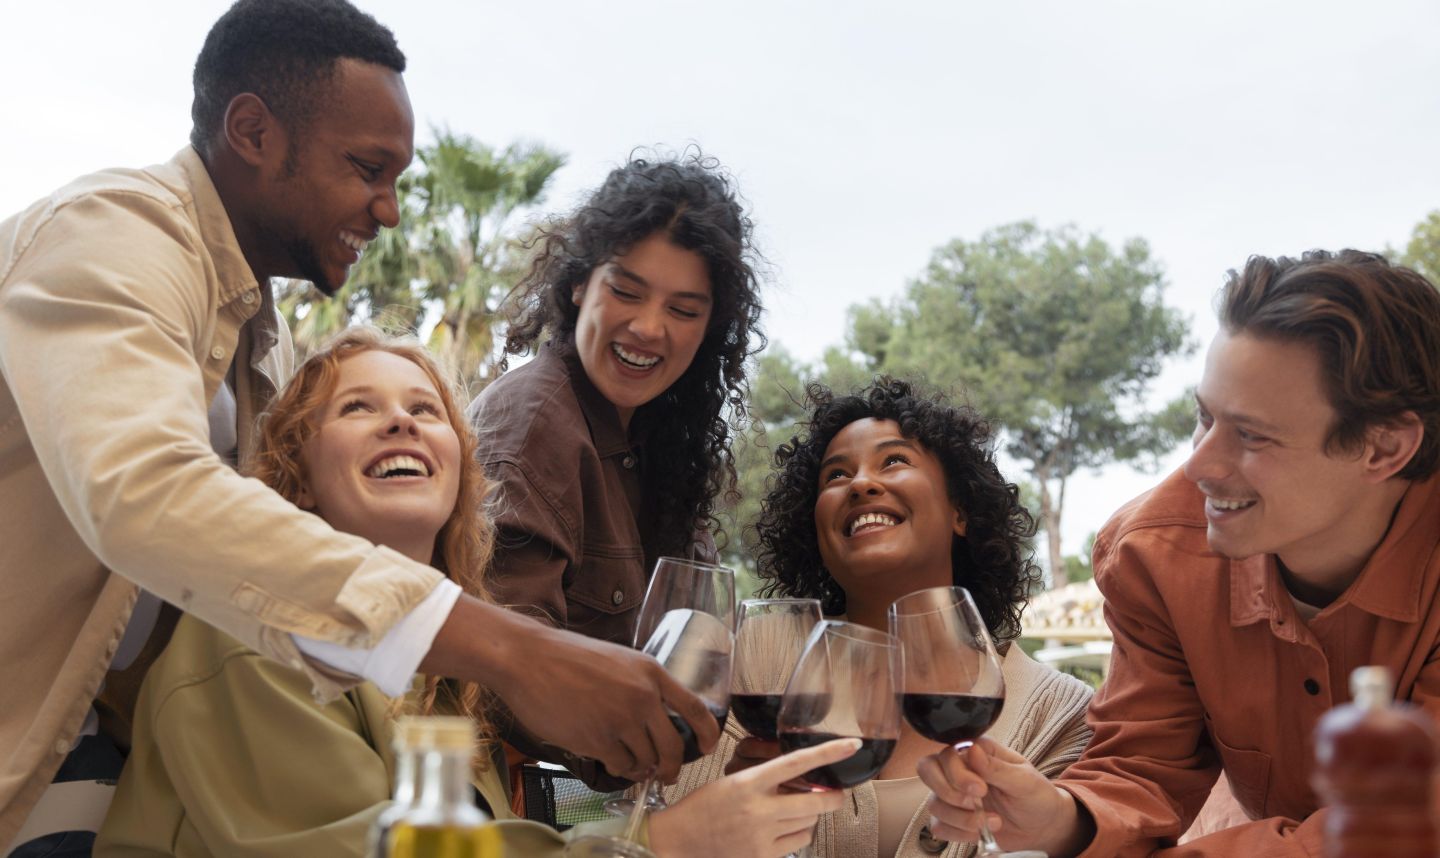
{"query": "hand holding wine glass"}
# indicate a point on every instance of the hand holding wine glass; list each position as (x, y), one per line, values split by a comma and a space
(954, 682)
(845, 685)
(752, 813)
(687, 623)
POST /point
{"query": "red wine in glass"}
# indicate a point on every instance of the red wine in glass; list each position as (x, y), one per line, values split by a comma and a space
(769, 637)
(757, 713)
(954, 678)
(854, 770)
(951, 718)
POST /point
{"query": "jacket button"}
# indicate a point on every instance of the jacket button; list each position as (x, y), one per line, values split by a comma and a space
(217, 353)
(248, 298)
(1312, 687)
(62, 747)
(617, 597)
(628, 461)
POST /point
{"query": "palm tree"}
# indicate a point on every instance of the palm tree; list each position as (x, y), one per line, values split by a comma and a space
(468, 260)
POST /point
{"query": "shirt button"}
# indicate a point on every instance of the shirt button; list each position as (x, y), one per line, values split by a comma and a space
(217, 353)
(628, 461)
(248, 298)
(617, 597)
(1312, 687)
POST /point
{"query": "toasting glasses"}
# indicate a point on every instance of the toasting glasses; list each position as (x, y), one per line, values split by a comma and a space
(845, 685)
(687, 623)
(954, 686)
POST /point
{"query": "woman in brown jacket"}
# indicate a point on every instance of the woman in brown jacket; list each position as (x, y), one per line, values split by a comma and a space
(612, 445)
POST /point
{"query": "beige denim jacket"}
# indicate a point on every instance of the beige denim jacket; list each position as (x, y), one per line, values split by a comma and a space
(124, 299)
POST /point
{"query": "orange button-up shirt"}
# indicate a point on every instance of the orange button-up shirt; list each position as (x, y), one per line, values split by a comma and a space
(1213, 669)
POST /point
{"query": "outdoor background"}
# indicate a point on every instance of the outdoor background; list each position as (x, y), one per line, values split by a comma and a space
(865, 136)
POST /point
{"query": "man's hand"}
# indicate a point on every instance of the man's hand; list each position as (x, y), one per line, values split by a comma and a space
(1026, 811)
(750, 813)
(590, 697)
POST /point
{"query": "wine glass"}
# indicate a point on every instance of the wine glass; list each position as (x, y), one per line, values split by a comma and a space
(770, 634)
(954, 685)
(687, 623)
(845, 685)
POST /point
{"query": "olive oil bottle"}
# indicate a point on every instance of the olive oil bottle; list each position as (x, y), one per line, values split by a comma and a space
(410, 740)
(442, 821)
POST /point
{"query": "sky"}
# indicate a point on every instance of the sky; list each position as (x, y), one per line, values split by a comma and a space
(863, 135)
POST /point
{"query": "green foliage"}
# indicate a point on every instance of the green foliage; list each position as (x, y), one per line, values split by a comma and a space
(1423, 251)
(1053, 335)
(776, 405)
(452, 252)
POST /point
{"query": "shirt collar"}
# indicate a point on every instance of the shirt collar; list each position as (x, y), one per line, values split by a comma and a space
(231, 269)
(599, 412)
(1390, 585)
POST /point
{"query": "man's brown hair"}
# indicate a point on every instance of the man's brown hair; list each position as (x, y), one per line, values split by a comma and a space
(1375, 326)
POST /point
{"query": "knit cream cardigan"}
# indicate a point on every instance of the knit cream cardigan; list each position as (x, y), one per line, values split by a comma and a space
(1043, 719)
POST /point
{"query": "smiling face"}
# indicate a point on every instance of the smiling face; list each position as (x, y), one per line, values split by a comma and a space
(384, 462)
(642, 317)
(1259, 457)
(883, 517)
(333, 185)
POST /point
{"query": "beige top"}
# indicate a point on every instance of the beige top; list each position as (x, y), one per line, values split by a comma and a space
(124, 300)
(896, 800)
(1043, 719)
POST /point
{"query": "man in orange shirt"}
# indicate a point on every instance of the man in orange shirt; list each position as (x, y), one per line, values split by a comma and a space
(1297, 543)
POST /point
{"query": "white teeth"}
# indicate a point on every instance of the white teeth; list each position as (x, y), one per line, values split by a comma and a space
(1230, 504)
(394, 464)
(353, 241)
(872, 519)
(637, 361)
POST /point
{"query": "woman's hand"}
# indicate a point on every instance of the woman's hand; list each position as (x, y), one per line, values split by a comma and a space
(1026, 811)
(750, 813)
(751, 751)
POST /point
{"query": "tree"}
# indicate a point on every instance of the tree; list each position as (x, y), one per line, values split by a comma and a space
(1054, 336)
(1423, 251)
(774, 406)
(452, 252)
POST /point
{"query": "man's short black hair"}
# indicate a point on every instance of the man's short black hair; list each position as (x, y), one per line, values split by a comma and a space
(283, 51)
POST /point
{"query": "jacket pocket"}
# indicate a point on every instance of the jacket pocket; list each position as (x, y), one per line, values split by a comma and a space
(605, 593)
(1248, 772)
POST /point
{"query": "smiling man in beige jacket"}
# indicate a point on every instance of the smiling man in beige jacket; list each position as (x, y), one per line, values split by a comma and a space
(138, 342)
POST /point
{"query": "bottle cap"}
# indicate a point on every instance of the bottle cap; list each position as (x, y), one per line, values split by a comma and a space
(451, 733)
(1372, 686)
(412, 732)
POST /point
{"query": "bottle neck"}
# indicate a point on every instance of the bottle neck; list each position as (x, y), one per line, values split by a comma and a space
(446, 782)
(406, 768)
(1372, 687)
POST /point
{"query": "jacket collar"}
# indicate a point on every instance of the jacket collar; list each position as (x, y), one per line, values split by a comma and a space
(600, 413)
(216, 231)
(1390, 584)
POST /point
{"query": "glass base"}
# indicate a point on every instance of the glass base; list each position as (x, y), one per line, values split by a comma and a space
(626, 806)
(596, 846)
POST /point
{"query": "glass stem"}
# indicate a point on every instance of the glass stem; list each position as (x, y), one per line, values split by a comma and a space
(637, 813)
(988, 846)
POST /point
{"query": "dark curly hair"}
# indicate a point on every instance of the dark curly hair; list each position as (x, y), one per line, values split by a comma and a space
(993, 560)
(694, 203)
(283, 51)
